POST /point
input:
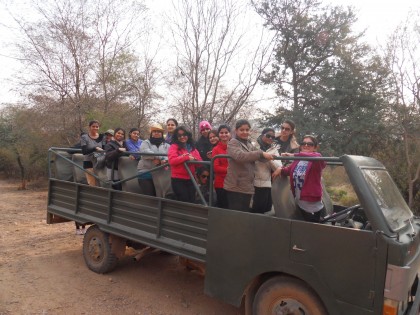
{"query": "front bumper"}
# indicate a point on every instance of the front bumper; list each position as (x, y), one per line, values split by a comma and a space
(413, 309)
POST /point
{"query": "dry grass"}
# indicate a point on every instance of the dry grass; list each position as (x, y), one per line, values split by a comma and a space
(339, 187)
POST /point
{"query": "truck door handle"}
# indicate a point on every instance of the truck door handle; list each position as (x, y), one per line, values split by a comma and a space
(298, 249)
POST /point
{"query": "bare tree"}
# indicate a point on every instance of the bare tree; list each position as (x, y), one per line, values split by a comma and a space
(403, 57)
(142, 93)
(117, 27)
(82, 55)
(58, 49)
(217, 68)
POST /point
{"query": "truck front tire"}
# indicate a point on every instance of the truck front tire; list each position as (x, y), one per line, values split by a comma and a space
(97, 251)
(285, 295)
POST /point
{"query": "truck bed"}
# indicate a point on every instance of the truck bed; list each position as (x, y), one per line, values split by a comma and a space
(161, 223)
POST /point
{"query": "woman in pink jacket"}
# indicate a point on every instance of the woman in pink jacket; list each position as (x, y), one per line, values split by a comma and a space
(181, 150)
(305, 179)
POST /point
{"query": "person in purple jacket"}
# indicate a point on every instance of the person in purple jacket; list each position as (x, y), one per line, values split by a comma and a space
(305, 179)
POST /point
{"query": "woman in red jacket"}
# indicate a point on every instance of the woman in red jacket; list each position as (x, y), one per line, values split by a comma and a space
(305, 179)
(181, 150)
(220, 165)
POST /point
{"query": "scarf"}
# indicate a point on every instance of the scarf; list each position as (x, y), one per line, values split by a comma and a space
(263, 146)
(156, 141)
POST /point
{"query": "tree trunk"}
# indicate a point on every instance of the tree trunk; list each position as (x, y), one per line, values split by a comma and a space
(22, 173)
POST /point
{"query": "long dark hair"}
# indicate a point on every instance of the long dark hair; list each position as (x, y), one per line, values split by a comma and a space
(118, 129)
(223, 126)
(291, 123)
(188, 133)
(313, 138)
(174, 120)
(93, 122)
(265, 130)
(242, 122)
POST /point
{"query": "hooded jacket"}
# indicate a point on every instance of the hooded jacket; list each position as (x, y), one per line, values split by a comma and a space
(263, 169)
(240, 172)
(177, 156)
(312, 188)
(220, 165)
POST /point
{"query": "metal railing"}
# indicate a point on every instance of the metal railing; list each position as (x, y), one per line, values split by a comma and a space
(56, 151)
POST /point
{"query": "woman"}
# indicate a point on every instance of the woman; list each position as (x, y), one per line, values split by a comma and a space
(91, 142)
(158, 182)
(213, 139)
(240, 173)
(114, 149)
(203, 176)
(182, 150)
(262, 201)
(287, 138)
(305, 179)
(203, 143)
(133, 143)
(220, 165)
(171, 124)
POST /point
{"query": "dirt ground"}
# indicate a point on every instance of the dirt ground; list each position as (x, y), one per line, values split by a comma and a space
(42, 270)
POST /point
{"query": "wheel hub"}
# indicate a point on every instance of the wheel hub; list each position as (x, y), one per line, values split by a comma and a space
(289, 307)
(96, 251)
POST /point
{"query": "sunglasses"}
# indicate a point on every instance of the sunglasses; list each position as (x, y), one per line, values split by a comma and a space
(285, 128)
(204, 176)
(307, 144)
(268, 136)
(181, 135)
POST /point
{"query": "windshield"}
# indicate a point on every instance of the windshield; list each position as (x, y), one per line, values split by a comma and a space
(393, 205)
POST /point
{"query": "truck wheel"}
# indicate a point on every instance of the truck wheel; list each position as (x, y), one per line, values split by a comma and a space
(97, 251)
(284, 295)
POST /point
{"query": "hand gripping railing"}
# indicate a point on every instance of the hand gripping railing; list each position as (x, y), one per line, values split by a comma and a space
(54, 150)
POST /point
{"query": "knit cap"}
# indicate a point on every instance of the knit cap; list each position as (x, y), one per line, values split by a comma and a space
(204, 125)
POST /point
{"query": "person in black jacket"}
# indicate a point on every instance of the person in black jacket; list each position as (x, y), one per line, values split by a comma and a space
(90, 143)
(114, 149)
(203, 144)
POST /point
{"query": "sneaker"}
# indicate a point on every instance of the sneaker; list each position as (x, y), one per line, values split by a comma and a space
(79, 232)
(83, 231)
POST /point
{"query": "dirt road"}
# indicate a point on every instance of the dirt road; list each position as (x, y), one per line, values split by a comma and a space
(42, 270)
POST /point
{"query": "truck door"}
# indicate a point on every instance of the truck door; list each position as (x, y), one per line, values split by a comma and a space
(343, 259)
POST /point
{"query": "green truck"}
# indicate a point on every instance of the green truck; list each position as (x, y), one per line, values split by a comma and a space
(362, 259)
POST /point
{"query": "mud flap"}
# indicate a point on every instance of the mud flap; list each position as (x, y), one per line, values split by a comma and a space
(118, 245)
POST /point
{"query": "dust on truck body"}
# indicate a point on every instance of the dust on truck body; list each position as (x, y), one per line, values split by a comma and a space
(362, 259)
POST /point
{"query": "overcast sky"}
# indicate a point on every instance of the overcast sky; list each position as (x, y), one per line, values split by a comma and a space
(379, 17)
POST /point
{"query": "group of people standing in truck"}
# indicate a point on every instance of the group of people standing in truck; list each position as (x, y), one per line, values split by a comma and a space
(242, 181)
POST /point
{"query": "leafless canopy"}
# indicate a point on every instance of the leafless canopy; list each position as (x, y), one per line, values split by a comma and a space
(217, 65)
(83, 57)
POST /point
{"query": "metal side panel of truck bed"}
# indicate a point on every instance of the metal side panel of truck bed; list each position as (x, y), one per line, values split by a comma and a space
(323, 256)
(169, 225)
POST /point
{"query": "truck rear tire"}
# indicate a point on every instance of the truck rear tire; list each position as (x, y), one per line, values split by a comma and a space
(285, 295)
(97, 251)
